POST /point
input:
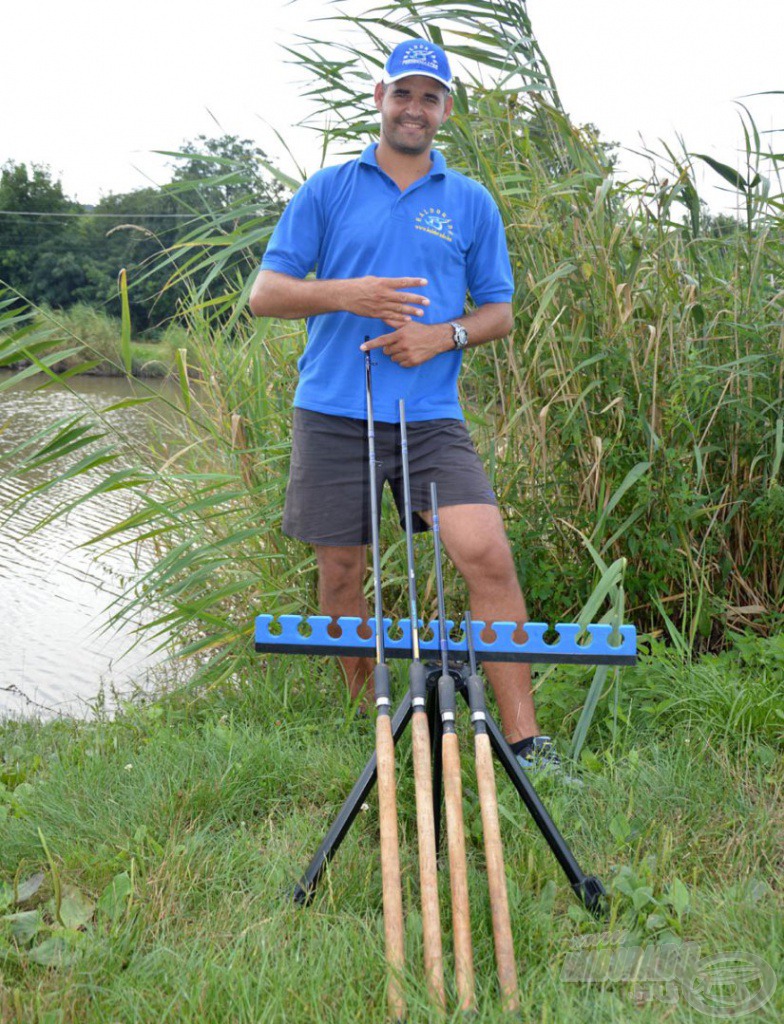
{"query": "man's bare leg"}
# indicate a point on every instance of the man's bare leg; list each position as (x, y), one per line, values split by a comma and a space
(476, 541)
(340, 589)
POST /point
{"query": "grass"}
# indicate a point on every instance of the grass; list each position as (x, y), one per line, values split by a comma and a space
(186, 820)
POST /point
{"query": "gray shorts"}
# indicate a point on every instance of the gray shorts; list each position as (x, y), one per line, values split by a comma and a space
(328, 494)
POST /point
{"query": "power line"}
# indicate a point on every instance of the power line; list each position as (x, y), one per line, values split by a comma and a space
(116, 216)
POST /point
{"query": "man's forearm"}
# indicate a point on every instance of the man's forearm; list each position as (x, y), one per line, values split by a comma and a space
(488, 322)
(382, 298)
(294, 298)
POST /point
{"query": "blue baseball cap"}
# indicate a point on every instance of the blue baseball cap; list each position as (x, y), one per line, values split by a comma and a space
(418, 57)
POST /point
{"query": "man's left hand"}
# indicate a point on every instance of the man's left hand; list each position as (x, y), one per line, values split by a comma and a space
(414, 343)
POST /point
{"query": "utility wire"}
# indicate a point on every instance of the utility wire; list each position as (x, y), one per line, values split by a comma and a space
(116, 216)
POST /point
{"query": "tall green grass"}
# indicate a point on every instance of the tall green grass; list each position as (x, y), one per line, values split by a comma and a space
(638, 408)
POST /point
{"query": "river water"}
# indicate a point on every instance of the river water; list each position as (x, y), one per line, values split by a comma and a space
(57, 654)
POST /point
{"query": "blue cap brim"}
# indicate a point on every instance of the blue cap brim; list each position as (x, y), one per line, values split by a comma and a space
(389, 79)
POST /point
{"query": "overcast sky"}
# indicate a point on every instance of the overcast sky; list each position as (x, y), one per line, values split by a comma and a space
(92, 89)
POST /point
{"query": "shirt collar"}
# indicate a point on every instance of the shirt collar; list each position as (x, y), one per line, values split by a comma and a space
(437, 161)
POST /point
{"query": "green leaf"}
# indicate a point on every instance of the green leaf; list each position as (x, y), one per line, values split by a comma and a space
(625, 882)
(631, 478)
(586, 717)
(590, 760)
(125, 322)
(728, 173)
(58, 892)
(779, 449)
(25, 925)
(642, 897)
(27, 889)
(620, 829)
(130, 403)
(54, 952)
(76, 909)
(678, 897)
(698, 313)
(692, 201)
(182, 373)
(116, 896)
(655, 921)
(24, 891)
(612, 575)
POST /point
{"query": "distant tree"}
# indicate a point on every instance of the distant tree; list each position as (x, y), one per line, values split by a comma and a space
(720, 225)
(132, 230)
(57, 252)
(226, 173)
(34, 190)
(35, 232)
(227, 184)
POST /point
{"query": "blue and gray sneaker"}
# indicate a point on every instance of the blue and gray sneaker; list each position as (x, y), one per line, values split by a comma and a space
(538, 754)
(540, 759)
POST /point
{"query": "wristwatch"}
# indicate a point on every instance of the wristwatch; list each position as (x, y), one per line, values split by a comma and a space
(459, 335)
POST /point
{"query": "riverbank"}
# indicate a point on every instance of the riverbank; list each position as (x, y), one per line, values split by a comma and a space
(91, 340)
(170, 839)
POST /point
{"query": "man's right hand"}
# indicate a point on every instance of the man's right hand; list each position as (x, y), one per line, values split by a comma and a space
(384, 299)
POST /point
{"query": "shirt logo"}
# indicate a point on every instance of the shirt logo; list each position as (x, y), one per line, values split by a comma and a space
(435, 222)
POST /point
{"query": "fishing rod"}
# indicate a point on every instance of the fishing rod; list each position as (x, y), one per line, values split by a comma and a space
(392, 892)
(494, 856)
(453, 794)
(423, 782)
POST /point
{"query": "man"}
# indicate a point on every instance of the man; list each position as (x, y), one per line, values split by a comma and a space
(397, 240)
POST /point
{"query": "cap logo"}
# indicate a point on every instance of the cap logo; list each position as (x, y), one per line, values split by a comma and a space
(422, 55)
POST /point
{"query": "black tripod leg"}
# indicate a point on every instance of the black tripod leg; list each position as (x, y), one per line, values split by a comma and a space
(587, 887)
(305, 890)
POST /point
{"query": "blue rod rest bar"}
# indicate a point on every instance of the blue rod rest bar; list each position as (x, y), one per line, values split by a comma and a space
(298, 634)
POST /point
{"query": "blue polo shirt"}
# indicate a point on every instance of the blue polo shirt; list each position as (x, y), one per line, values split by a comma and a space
(352, 220)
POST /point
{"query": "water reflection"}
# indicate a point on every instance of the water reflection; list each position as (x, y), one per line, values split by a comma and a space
(57, 653)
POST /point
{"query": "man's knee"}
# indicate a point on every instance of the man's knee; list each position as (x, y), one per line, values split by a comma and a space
(478, 544)
(341, 571)
(487, 557)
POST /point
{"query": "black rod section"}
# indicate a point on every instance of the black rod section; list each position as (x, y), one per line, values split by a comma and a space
(381, 670)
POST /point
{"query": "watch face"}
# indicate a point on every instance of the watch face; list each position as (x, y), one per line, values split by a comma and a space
(460, 335)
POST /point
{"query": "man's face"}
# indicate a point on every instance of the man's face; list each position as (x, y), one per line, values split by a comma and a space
(412, 111)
